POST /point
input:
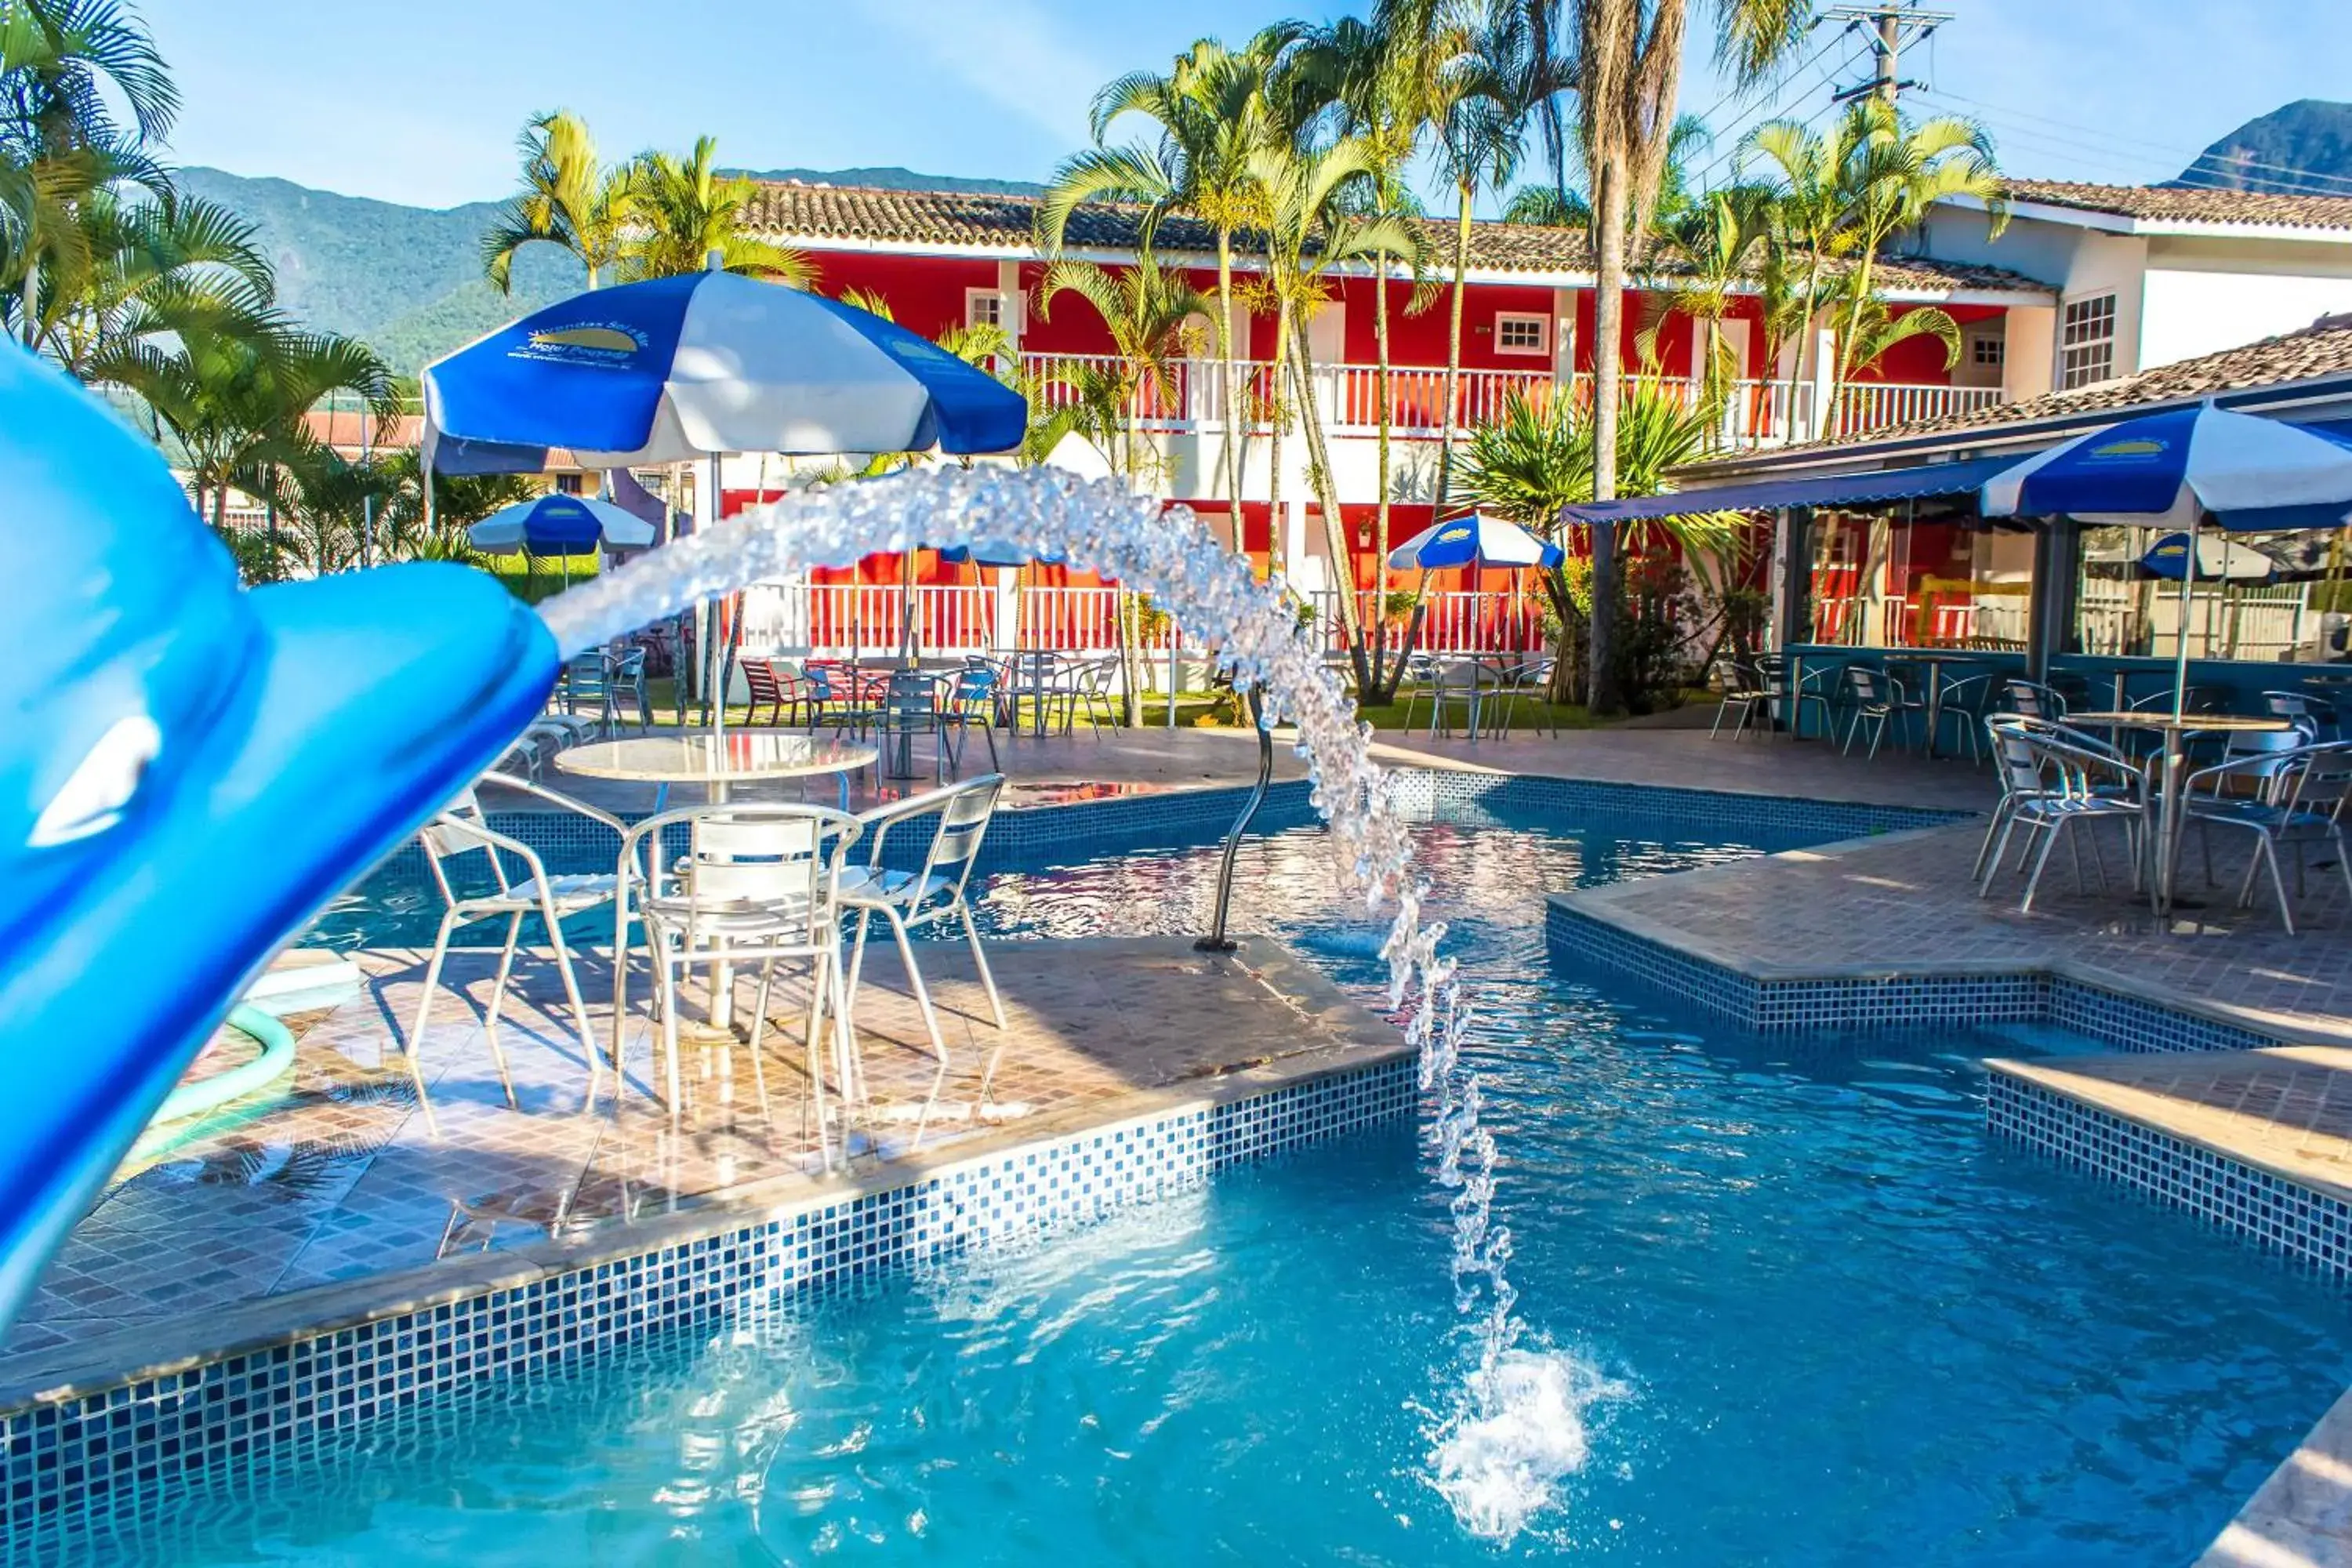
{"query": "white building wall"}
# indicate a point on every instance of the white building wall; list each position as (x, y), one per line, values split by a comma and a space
(2202, 296)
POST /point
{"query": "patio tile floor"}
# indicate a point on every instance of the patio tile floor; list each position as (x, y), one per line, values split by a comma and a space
(338, 1180)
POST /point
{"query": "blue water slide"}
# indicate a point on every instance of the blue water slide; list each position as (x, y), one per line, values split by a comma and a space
(188, 771)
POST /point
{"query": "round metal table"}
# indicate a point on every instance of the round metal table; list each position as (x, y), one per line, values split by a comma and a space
(2166, 836)
(738, 756)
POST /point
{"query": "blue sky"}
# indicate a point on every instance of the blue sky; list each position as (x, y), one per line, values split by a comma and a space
(419, 101)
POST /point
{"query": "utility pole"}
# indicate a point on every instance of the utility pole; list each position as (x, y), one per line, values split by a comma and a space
(1888, 25)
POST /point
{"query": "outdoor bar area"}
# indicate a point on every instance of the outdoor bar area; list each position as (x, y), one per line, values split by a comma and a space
(2136, 617)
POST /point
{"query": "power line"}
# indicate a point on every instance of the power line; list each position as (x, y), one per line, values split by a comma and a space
(1769, 104)
(2123, 162)
(2121, 141)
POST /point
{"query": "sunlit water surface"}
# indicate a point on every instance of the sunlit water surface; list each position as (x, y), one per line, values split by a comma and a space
(1813, 1316)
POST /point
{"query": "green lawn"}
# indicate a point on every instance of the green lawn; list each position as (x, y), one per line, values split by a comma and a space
(1528, 715)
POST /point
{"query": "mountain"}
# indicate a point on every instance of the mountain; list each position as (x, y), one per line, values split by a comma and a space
(409, 282)
(2303, 149)
(406, 279)
(891, 177)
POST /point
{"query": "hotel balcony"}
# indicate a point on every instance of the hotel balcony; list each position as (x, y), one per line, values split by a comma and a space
(1755, 414)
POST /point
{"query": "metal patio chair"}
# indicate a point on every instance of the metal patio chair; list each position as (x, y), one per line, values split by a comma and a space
(461, 829)
(1530, 679)
(1879, 700)
(975, 697)
(759, 883)
(2123, 778)
(934, 895)
(1746, 692)
(2050, 785)
(624, 683)
(2275, 766)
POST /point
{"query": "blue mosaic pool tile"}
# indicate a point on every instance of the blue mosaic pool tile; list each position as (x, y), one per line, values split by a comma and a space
(64, 1465)
(2307, 1227)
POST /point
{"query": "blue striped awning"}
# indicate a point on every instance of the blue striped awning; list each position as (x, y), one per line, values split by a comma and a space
(1829, 490)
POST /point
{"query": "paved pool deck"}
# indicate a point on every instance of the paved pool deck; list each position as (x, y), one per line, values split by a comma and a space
(333, 1203)
(1060, 768)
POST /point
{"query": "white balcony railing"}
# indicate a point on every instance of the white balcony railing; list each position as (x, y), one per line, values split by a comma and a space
(851, 620)
(1755, 413)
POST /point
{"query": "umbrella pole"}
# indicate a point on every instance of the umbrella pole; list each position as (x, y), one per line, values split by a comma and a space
(907, 607)
(2181, 658)
(715, 659)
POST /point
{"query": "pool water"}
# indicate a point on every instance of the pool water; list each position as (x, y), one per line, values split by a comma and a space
(1812, 1315)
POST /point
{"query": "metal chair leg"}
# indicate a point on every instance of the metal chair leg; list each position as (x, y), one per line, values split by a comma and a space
(572, 993)
(497, 1005)
(979, 961)
(424, 1009)
(2041, 864)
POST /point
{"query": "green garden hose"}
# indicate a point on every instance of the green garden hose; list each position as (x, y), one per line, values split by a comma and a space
(276, 1056)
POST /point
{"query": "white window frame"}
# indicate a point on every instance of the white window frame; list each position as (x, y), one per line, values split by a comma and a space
(1988, 351)
(997, 302)
(2088, 347)
(1539, 319)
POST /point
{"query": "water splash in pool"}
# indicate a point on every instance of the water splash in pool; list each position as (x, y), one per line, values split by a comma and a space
(1513, 1424)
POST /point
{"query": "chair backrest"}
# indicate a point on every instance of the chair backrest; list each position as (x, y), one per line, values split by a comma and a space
(759, 680)
(782, 860)
(963, 823)
(1868, 685)
(975, 683)
(912, 695)
(585, 673)
(2326, 779)
(460, 829)
(2014, 759)
(2032, 699)
(629, 668)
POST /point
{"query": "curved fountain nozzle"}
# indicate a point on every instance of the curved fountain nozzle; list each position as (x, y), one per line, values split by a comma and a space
(1217, 941)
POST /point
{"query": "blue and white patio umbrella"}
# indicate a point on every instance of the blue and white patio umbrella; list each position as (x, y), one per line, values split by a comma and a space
(2182, 468)
(677, 368)
(558, 525)
(1473, 541)
(698, 366)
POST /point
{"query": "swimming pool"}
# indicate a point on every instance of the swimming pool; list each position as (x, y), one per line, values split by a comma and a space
(1812, 1315)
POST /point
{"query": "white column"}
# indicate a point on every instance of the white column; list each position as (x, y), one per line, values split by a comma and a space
(1563, 337)
(1824, 378)
(1016, 304)
(1293, 538)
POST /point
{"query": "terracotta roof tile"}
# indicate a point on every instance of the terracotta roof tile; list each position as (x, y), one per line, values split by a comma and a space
(2162, 203)
(806, 213)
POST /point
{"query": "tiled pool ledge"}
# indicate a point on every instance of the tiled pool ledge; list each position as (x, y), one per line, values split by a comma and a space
(121, 1418)
(1635, 929)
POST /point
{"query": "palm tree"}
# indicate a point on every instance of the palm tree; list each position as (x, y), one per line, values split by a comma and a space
(1480, 75)
(1809, 209)
(1308, 233)
(570, 198)
(151, 269)
(235, 401)
(1539, 458)
(1149, 312)
(1214, 109)
(1562, 204)
(682, 210)
(1716, 242)
(1371, 79)
(1628, 73)
(1894, 172)
(63, 65)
